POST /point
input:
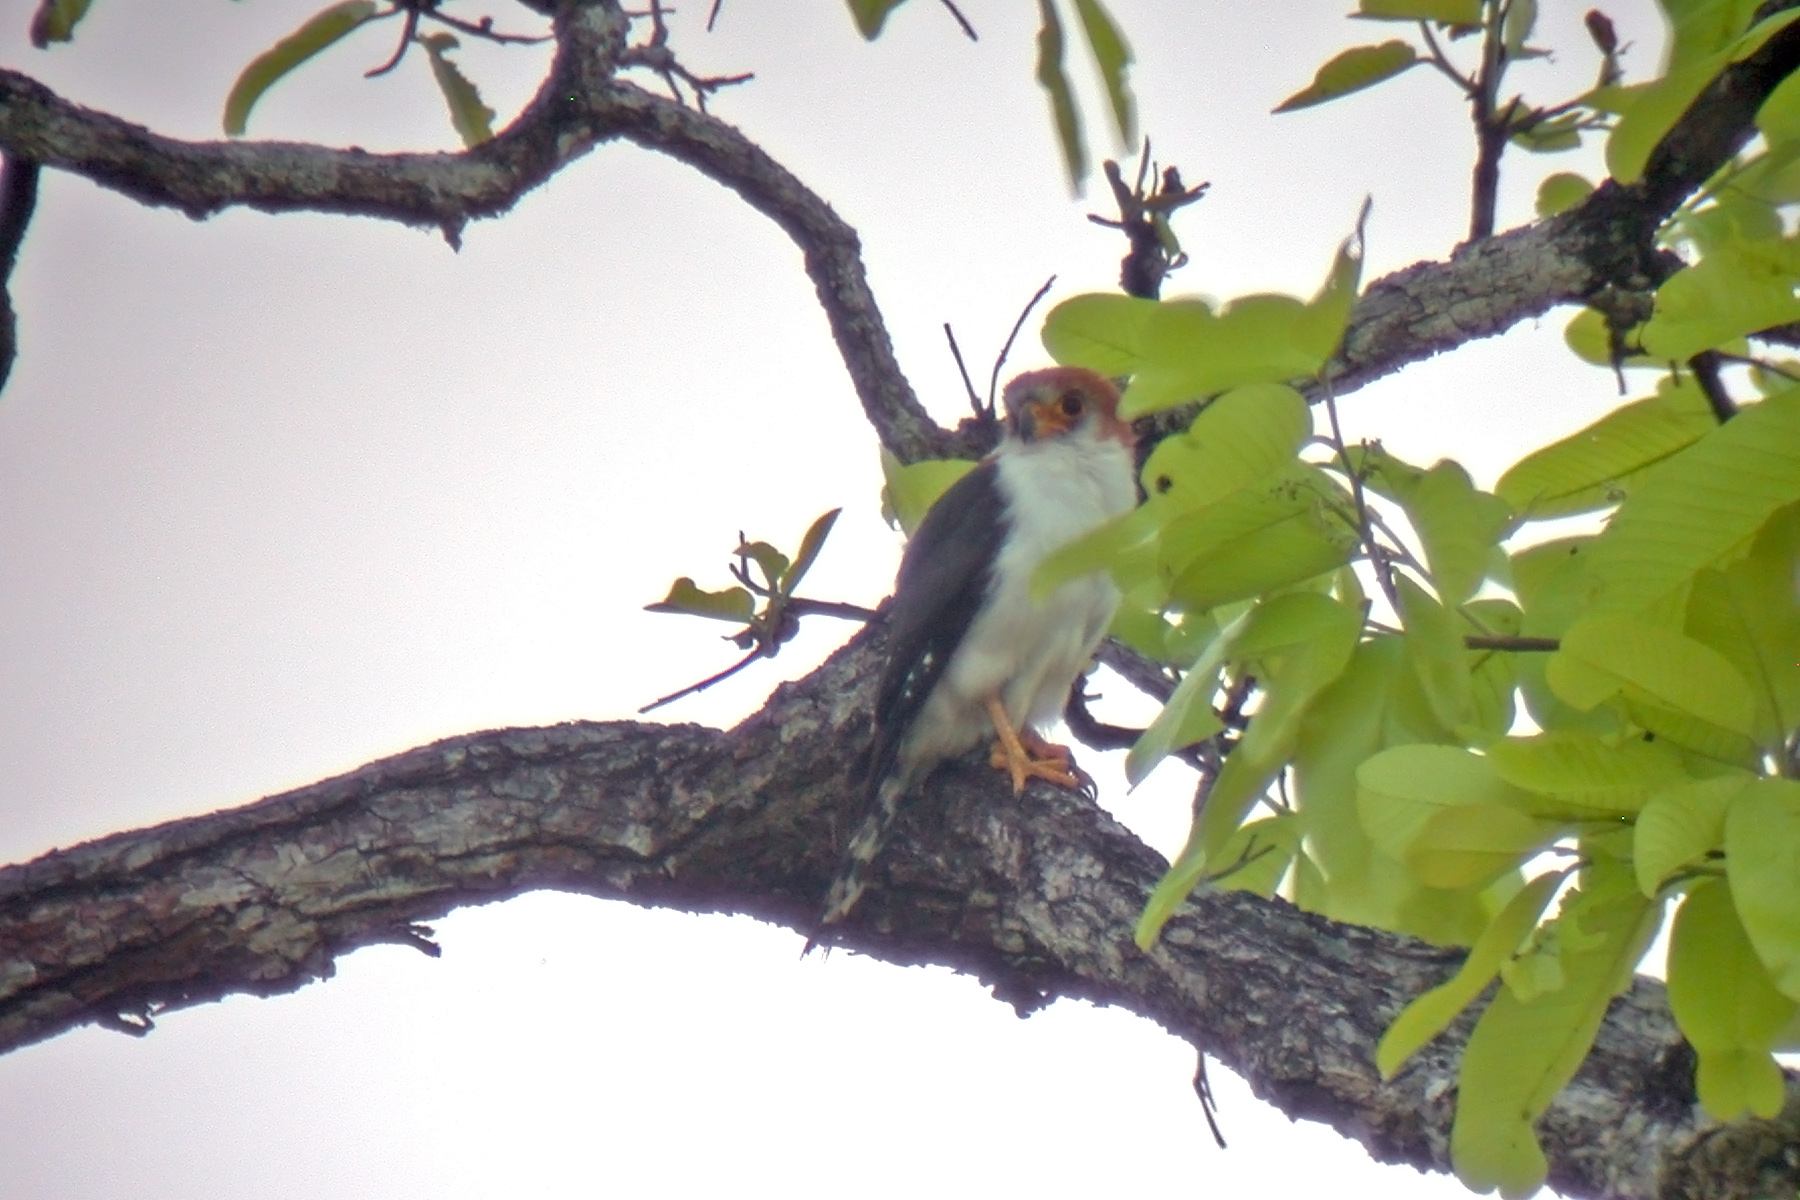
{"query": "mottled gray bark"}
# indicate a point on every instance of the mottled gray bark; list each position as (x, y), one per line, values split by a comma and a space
(1036, 896)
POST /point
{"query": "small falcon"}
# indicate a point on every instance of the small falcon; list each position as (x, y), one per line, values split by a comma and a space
(969, 648)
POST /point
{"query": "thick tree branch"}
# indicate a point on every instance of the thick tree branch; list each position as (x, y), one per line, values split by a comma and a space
(581, 104)
(1482, 291)
(1037, 897)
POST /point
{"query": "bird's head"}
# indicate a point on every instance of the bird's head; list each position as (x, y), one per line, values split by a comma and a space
(1065, 402)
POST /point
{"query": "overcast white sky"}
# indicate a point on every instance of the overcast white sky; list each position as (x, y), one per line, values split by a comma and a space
(279, 495)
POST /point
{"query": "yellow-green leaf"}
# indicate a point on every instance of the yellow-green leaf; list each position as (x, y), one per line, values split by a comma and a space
(1562, 191)
(1762, 861)
(1055, 81)
(1742, 285)
(1247, 436)
(810, 545)
(1599, 465)
(1431, 1013)
(912, 488)
(1113, 57)
(55, 21)
(1445, 12)
(472, 119)
(1700, 505)
(1679, 827)
(1750, 613)
(1351, 71)
(1726, 1006)
(1522, 1052)
(1434, 650)
(1582, 777)
(871, 15)
(321, 30)
(1604, 655)
(687, 599)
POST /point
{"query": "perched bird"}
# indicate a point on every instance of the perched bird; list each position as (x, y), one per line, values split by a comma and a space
(969, 648)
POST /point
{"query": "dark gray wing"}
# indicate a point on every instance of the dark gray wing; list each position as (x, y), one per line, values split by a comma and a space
(943, 578)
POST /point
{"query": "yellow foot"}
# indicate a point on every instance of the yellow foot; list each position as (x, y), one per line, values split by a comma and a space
(1026, 756)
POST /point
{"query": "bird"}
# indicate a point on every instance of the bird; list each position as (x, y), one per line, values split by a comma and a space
(970, 649)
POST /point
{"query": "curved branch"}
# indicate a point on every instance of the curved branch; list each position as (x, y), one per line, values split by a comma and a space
(1038, 898)
(581, 104)
(18, 200)
(1483, 290)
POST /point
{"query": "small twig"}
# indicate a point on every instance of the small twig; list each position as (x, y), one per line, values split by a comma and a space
(961, 20)
(1442, 62)
(800, 606)
(713, 14)
(1384, 575)
(982, 413)
(1760, 364)
(756, 652)
(485, 30)
(1498, 641)
(407, 31)
(1209, 1105)
(1000, 359)
(18, 200)
(1705, 366)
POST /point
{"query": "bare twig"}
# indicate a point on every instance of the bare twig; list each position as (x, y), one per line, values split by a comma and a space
(961, 20)
(983, 412)
(1705, 366)
(718, 677)
(407, 30)
(1006, 348)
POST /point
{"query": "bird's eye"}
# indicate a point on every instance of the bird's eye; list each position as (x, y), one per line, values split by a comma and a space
(1071, 404)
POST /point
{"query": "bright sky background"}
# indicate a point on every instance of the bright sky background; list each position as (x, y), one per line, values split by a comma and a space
(279, 495)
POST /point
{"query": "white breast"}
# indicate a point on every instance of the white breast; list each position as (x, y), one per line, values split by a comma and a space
(1031, 651)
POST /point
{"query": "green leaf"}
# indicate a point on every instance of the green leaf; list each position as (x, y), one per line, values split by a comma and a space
(1113, 57)
(1256, 540)
(1351, 71)
(1562, 191)
(910, 489)
(1700, 506)
(1431, 1013)
(1178, 351)
(1748, 612)
(1726, 1007)
(1247, 436)
(1055, 81)
(1522, 1052)
(1458, 526)
(1598, 465)
(732, 604)
(1264, 849)
(773, 563)
(1521, 19)
(55, 21)
(871, 15)
(810, 544)
(321, 30)
(472, 119)
(1584, 778)
(1434, 650)
(1762, 862)
(1654, 108)
(1444, 12)
(1105, 332)
(1779, 116)
(1740, 287)
(1588, 336)
(1679, 827)
(1604, 655)
(1446, 814)
(1301, 642)
(1552, 136)
(1187, 716)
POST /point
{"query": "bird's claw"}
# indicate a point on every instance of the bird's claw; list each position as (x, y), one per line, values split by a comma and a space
(1030, 757)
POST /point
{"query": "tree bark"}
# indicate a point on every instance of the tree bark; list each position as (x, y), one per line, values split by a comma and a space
(1036, 896)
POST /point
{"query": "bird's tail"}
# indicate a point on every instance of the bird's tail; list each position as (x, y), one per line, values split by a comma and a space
(853, 876)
